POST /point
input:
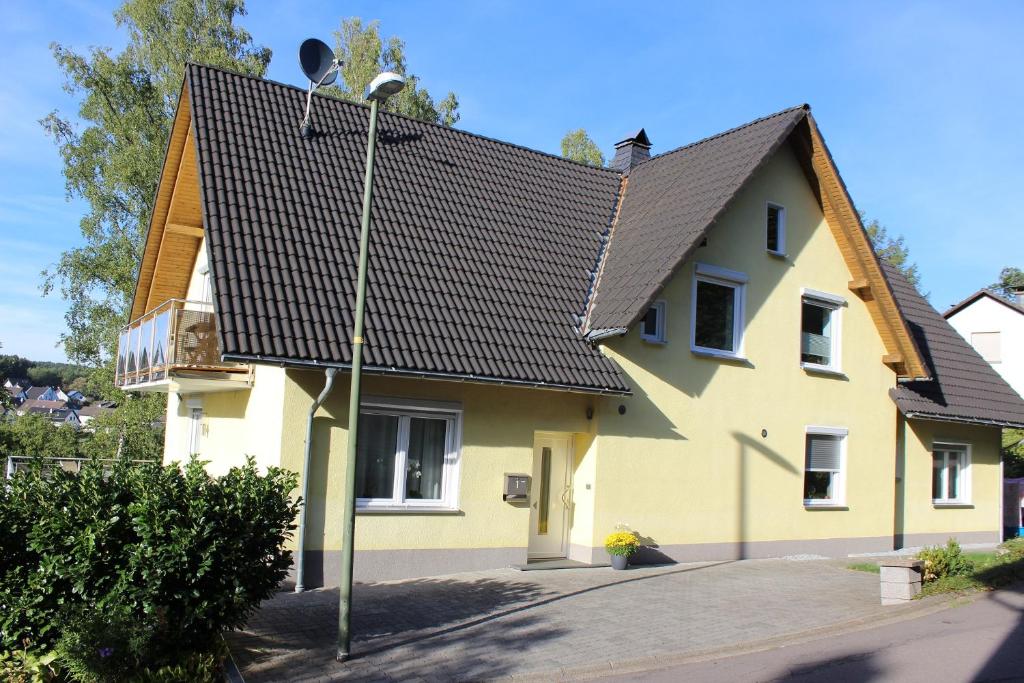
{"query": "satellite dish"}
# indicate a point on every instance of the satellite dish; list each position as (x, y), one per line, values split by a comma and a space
(321, 68)
(317, 62)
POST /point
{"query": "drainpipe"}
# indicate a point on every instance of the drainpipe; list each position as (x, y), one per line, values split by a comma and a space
(300, 564)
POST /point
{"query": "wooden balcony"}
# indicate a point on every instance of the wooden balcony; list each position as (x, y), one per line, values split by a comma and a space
(174, 348)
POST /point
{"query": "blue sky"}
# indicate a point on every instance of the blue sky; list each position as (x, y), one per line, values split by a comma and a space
(920, 104)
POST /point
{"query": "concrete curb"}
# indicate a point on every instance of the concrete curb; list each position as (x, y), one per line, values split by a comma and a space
(927, 606)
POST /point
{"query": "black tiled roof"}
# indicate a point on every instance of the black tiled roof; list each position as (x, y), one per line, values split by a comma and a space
(964, 387)
(481, 251)
(669, 204)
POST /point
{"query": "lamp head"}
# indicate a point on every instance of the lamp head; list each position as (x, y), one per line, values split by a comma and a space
(384, 86)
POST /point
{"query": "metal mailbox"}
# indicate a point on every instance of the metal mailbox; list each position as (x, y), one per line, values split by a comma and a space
(517, 487)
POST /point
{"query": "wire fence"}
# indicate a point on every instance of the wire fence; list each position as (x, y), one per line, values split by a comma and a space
(17, 463)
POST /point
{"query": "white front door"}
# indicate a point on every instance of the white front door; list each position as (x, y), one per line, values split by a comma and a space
(550, 495)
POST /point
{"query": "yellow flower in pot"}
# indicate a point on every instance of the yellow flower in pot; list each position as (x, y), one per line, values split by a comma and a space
(620, 545)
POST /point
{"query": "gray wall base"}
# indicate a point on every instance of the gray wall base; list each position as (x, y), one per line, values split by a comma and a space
(323, 568)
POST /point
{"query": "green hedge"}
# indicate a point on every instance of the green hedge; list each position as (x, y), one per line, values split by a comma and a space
(133, 567)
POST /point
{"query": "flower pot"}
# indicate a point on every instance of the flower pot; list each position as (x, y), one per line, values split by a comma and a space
(620, 561)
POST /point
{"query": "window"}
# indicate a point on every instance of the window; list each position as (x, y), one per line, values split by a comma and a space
(775, 228)
(407, 456)
(824, 466)
(951, 466)
(717, 324)
(988, 345)
(652, 327)
(819, 330)
(195, 430)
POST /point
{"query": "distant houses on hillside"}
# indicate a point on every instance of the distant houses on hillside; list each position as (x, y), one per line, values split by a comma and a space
(53, 403)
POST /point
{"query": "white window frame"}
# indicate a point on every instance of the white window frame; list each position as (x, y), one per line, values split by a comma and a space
(835, 304)
(839, 482)
(965, 473)
(405, 409)
(703, 272)
(658, 337)
(781, 251)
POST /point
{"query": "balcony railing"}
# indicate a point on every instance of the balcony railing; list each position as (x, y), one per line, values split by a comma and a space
(177, 334)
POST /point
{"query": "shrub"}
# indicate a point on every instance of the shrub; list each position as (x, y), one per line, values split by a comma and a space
(942, 561)
(152, 561)
(621, 543)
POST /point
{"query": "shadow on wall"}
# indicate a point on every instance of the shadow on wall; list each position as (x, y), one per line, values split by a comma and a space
(748, 448)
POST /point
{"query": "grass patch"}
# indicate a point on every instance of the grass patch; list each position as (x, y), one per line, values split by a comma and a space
(988, 571)
(869, 567)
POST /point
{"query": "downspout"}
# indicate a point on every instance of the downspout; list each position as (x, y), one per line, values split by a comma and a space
(300, 563)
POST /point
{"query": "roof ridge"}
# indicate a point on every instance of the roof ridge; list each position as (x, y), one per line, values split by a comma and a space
(806, 107)
(461, 131)
(984, 291)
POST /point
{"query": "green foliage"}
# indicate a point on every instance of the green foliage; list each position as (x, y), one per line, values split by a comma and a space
(40, 373)
(869, 567)
(13, 367)
(365, 55)
(24, 666)
(1013, 452)
(113, 163)
(35, 435)
(991, 570)
(893, 250)
(46, 374)
(152, 561)
(578, 146)
(134, 427)
(1010, 280)
(942, 561)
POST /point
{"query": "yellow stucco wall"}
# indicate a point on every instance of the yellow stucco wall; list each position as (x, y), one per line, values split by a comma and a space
(685, 465)
(923, 522)
(236, 423)
(497, 437)
(687, 462)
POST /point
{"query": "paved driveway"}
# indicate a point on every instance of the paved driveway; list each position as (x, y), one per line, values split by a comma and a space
(551, 624)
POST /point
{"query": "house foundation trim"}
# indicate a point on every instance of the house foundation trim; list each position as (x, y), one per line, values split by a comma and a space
(323, 568)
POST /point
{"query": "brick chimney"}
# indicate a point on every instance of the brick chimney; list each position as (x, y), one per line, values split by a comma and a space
(631, 151)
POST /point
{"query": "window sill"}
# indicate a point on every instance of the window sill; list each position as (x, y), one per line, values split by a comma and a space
(718, 355)
(810, 505)
(816, 369)
(408, 510)
(655, 342)
(777, 254)
(952, 504)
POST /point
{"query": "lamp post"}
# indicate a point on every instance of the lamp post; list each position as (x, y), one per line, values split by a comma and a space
(382, 87)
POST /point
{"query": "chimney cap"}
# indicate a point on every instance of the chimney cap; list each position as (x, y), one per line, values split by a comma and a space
(638, 138)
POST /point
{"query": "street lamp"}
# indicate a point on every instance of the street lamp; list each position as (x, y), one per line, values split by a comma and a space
(382, 87)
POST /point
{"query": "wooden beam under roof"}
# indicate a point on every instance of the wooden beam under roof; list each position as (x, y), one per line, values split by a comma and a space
(844, 221)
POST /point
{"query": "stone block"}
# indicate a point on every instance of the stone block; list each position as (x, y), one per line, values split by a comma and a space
(892, 574)
(900, 591)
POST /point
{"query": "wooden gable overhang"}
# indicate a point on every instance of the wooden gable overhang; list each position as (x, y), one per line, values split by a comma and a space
(176, 227)
(868, 283)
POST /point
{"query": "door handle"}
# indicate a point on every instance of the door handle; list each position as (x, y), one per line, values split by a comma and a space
(566, 492)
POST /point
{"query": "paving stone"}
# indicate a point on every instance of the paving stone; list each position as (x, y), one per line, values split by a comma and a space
(502, 624)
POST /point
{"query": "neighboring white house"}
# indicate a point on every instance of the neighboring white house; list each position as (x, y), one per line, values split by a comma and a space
(995, 328)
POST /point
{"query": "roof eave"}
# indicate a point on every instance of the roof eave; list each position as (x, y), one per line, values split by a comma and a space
(939, 417)
(427, 374)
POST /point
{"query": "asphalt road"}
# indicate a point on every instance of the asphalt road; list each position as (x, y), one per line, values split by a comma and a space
(982, 640)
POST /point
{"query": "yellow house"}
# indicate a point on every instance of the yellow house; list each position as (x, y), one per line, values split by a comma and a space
(699, 345)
